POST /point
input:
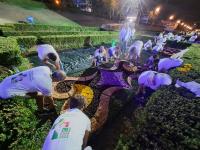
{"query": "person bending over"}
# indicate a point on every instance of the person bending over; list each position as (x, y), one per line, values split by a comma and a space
(152, 80)
(100, 56)
(71, 129)
(114, 52)
(35, 82)
(166, 64)
(48, 55)
(152, 62)
(135, 52)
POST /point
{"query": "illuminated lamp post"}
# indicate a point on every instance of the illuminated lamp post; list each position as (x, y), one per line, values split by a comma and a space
(154, 13)
(157, 10)
(57, 2)
(178, 21)
(171, 17)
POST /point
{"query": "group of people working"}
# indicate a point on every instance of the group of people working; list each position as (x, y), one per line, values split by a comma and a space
(71, 129)
(156, 74)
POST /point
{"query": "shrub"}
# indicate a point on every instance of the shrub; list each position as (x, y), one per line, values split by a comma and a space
(42, 27)
(45, 33)
(25, 42)
(7, 27)
(171, 122)
(18, 128)
(9, 52)
(62, 41)
(72, 41)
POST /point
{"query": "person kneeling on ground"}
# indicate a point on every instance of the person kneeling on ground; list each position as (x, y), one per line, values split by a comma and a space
(71, 129)
(48, 55)
(100, 56)
(152, 62)
(166, 64)
(32, 82)
(114, 52)
(134, 52)
(152, 80)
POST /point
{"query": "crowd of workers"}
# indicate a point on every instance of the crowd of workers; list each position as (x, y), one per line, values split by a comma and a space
(71, 129)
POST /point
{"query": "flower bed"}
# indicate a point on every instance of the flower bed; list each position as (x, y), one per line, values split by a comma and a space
(170, 120)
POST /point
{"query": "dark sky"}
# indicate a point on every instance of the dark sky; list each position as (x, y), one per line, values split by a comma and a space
(187, 10)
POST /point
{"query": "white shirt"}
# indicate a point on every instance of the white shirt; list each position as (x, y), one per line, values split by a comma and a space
(44, 49)
(122, 34)
(154, 80)
(37, 79)
(138, 45)
(168, 63)
(178, 38)
(112, 51)
(161, 41)
(193, 86)
(98, 54)
(193, 38)
(158, 48)
(148, 44)
(68, 131)
(129, 33)
(170, 36)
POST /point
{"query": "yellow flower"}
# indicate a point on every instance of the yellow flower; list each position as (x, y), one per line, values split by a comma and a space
(85, 91)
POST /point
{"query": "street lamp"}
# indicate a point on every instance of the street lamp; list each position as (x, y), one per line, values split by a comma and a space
(57, 2)
(157, 10)
(171, 17)
(178, 21)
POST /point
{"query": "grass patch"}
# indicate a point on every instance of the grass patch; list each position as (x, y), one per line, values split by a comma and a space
(27, 4)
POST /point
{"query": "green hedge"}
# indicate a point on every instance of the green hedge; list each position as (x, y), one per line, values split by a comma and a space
(61, 42)
(25, 42)
(169, 121)
(38, 27)
(10, 54)
(45, 33)
(18, 128)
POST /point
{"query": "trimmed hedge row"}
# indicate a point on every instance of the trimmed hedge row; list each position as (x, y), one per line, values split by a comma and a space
(25, 42)
(67, 41)
(63, 41)
(45, 33)
(10, 54)
(38, 27)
